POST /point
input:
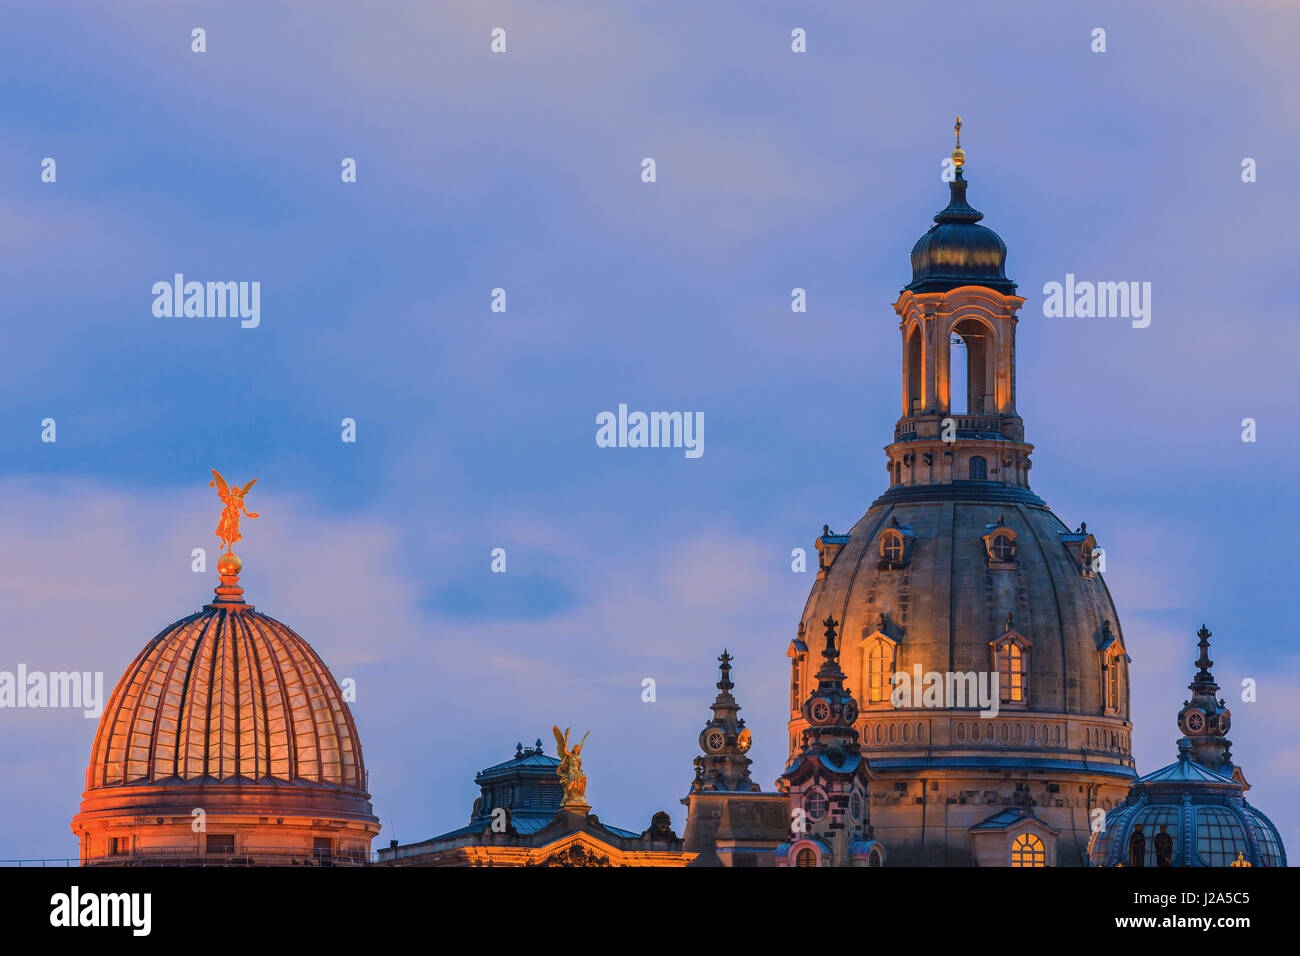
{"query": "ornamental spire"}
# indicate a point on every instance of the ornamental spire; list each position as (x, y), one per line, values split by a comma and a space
(725, 741)
(958, 154)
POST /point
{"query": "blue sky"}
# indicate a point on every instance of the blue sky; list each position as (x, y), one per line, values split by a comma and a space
(476, 429)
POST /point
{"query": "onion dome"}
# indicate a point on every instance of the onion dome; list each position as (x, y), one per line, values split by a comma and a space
(957, 251)
(1191, 813)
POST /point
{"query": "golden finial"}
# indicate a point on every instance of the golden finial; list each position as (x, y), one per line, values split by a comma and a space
(958, 154)
(233, 500)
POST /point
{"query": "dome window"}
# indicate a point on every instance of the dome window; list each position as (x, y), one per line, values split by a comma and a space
(879, 653)
(978, 468)
(1083, 548)
(1027, 850)
(895, 547)
(1011, 663)
(806, 857)
(828, 546)
(999, 546)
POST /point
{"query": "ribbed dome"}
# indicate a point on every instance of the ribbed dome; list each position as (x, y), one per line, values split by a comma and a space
(227, 694)
(957, 251)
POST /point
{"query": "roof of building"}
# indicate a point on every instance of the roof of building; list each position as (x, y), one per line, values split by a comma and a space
(227, 694)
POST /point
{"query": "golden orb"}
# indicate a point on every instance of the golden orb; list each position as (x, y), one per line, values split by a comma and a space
(959, 157)
(229, 563)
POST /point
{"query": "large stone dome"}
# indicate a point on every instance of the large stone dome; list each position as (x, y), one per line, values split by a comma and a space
(944, 604)
(230, 712)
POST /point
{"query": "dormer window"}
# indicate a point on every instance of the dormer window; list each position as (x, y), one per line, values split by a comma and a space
(895, 543)
(999, 546)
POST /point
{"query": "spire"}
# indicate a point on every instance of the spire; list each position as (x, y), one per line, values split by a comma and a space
(725, 740)
(1205, 718)
(830, 671)
(830, 708)
(958, 154)
(1204, 680)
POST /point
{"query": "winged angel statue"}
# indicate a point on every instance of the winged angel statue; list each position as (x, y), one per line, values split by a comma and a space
(570, 768)
(233, 499)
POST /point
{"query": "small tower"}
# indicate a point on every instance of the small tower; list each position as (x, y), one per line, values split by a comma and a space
(828, 781)
(1204, 718)
(725, 742)
(729, 820)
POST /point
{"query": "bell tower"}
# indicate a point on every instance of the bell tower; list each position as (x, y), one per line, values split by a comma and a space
(957, 320)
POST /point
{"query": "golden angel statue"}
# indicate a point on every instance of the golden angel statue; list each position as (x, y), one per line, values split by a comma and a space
(570, 768)
(233, 499)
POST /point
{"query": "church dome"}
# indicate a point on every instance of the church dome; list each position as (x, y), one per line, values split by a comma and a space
(957, 251)
(917, 583)
(977, 635)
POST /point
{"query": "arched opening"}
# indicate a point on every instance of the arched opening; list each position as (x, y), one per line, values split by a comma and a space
(979, 468)
(969, 388)
(805, 857)
(915, 396)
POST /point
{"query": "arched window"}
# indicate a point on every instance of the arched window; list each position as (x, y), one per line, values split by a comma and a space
(968, 370)
(875, 857)
(805, 857)
(880, 667)
(794, 686)
(915, 395)
(978, 468)
(1011, 672)
(1028, 850)
(891, 547)
(1004, 547)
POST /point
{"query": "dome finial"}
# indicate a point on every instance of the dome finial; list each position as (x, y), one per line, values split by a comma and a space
(958, 154)
(229, 564)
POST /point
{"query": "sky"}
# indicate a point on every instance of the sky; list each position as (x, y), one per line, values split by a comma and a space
(476, 429)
